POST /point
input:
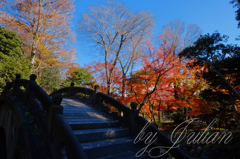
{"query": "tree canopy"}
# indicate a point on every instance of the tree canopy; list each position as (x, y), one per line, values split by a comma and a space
(44, 28)
(79, 76)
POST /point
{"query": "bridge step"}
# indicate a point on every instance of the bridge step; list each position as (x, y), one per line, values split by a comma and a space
(82, 114)
(100, 134)
(93, 125)
(102, 148)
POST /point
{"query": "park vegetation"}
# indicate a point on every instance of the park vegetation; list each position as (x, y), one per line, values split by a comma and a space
(181, 75)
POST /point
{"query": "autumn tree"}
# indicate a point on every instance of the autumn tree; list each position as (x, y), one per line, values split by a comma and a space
(153, 86)
(44, 28)
(97, 70)
(112, 27)
(164, 97)
(179, 36)
(140, 86)
(157, 66)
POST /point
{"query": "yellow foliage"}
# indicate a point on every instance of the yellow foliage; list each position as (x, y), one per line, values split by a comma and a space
(44, 28)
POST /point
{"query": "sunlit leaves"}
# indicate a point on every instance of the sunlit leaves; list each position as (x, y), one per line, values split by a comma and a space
(44, 28)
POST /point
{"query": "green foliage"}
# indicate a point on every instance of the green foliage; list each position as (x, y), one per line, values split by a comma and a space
(80, 77)
(210, 49)
(12, 59)
(50, 79)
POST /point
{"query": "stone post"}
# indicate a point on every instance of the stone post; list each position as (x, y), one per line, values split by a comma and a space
(33, 77)
(54, 110)
(70, 92)
(18, 76)
(132, 118)
(96, 90)
(28, 93)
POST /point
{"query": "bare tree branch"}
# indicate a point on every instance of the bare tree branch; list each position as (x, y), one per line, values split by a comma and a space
(112, 26)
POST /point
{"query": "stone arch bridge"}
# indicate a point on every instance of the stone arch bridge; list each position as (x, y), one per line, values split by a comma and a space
(35, 125)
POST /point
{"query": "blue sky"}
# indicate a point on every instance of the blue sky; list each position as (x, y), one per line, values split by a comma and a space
(210, 15)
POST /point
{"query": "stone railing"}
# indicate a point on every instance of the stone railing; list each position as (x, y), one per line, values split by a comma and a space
(27, 89)
(81, 93)
(58, 138)
(127, 117)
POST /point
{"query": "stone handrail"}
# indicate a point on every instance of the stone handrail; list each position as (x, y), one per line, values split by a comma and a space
(117, 104)
(61, 132)
(30, 86)
(68, 137)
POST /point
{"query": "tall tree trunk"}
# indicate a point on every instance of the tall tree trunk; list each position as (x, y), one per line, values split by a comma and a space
(35, 35)
(123, 85)
(108, 74)
(234, 108)
(33, 53)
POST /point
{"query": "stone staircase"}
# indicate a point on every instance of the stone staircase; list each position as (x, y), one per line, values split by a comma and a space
(100, 135)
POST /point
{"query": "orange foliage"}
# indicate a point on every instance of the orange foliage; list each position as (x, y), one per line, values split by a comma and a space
(165, 82)
(44, 28)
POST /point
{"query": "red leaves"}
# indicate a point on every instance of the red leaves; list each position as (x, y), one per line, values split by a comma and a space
(97, 69)
(164, 82)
